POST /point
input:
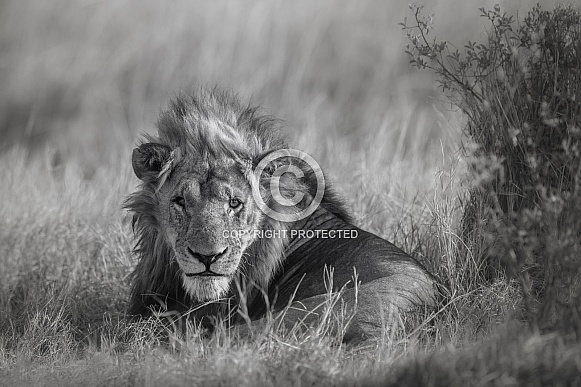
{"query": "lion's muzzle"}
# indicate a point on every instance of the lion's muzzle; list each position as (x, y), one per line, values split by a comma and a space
(207, 260)
(205, 265)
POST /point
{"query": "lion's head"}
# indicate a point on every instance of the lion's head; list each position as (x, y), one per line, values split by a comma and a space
(194, 213)
(206, 214)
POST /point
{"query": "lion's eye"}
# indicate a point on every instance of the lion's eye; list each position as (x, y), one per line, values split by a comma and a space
(179, 200)
(235, 203)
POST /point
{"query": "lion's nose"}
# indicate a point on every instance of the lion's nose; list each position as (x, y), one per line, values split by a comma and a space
(208, 259)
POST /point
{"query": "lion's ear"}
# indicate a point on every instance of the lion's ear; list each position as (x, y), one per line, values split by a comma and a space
(270, 161)
(148, 159)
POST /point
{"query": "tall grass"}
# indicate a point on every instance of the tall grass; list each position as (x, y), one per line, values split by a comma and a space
(81, 79)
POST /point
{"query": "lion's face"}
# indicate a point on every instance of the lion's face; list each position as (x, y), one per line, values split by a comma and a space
(207, 216)
(204, 210)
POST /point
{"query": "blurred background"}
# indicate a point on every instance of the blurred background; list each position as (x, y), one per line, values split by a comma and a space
(85, 77)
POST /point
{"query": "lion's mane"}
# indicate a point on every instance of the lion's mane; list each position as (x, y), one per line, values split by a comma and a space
(207, 122)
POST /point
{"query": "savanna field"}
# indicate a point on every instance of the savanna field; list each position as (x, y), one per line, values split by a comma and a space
(470, 163)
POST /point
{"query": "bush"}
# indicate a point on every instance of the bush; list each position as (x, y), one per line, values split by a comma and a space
(521, 94)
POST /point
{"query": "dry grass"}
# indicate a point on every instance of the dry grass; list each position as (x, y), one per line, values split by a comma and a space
(80, 80)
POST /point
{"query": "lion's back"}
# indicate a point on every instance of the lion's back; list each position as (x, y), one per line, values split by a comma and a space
(379, 267)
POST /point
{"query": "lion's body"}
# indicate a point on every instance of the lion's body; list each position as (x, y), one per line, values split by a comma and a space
(196, 199)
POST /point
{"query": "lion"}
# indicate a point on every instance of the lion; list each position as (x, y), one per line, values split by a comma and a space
(206, 248)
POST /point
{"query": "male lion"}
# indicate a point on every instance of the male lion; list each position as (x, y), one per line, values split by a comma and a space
(204, 243)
